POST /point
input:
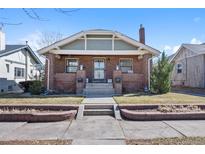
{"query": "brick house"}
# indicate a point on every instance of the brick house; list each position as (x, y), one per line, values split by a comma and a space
(98, 61)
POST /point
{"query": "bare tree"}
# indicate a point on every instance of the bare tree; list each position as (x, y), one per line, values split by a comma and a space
(48, 38)
(34, 14)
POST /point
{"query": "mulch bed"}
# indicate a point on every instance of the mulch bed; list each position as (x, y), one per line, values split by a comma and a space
(36, 142)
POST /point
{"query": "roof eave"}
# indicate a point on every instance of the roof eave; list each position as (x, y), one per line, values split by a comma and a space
(82, 33)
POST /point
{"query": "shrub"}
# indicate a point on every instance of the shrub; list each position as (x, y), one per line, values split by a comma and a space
(35, 88)
(25, 85)
(160, 77)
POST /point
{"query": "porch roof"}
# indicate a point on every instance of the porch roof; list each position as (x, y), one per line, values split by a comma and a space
(141, 48)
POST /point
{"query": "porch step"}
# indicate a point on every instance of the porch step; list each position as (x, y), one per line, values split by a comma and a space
(99, 85)
(94, 106)
(99, 89)
(96, 110)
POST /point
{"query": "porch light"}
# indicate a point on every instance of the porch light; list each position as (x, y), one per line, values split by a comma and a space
(117, 67)
(81, 67)
(140, 57)
(58, 56)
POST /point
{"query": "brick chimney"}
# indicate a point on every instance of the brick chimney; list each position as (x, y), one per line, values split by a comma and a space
(142, 34)
(2, 40)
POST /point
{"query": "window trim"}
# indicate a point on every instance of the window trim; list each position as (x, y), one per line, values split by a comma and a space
(15, 73)
(66, 59)
(179, 68)
(8, 68)
(127, 59)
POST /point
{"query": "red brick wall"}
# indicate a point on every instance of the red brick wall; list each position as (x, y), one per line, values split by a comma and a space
(131, 82)
(65, 82)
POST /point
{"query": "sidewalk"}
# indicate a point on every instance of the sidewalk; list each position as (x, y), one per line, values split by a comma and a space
(98, 100)
(100, 130)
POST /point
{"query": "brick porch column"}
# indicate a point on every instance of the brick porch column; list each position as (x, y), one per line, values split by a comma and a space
(80, 81)
(117, 81)
(145, 68)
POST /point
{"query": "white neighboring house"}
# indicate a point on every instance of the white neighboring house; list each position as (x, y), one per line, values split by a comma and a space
(17, 63)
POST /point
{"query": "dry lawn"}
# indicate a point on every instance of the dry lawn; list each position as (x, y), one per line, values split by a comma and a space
(37, 142)
(169, 98)
(19, 99)
(169, 141)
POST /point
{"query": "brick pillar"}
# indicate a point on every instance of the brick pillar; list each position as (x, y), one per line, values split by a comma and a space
(80, 81)
(145, 68)
(117, 81)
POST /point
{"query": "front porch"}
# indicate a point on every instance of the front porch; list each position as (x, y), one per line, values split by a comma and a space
(72, 74)
(78, 83)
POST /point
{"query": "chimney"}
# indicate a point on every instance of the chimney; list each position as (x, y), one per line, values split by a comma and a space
(142, 34)
(2, 40)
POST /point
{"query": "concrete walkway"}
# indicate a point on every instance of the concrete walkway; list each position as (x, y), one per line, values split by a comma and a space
(98, 100)
(100, 130)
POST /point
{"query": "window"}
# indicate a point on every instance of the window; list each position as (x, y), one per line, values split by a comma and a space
(7, 68)
(71, 65)
(19, 72)
(179, 68)
(126, 65)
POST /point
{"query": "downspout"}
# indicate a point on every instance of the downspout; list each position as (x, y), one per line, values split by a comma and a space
(149, 62)
(48, 72)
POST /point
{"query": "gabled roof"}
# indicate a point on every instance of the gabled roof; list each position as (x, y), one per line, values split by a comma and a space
(15, 48)
(11, 48)
(170, 57)
(98, 32)
(196, 48)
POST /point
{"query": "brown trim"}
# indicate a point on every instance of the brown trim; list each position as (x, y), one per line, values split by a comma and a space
(66, 64)
(128, 59)
(105, 63)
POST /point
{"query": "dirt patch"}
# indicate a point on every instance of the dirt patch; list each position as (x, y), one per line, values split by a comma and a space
(179, 108)
(27, 111)
(173, 108)
(169, 141)
(36, 142)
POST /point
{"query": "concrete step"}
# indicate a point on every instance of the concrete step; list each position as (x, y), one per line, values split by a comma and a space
(96, 106)
(99, 86)
(98, 94)
(99, 90)
(93, 112)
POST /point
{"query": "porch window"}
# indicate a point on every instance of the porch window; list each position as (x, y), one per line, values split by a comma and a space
(19, 72)
(126, 65)
(179, 68)
(71, 65)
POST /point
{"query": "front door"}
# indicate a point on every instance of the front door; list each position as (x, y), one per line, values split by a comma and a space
(99, 69)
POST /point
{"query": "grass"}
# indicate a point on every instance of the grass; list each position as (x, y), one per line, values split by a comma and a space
(169, 98)
(169, 141)
(20, 99)
(37, 142)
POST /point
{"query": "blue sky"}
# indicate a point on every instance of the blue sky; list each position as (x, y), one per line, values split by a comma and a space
(165, 29)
